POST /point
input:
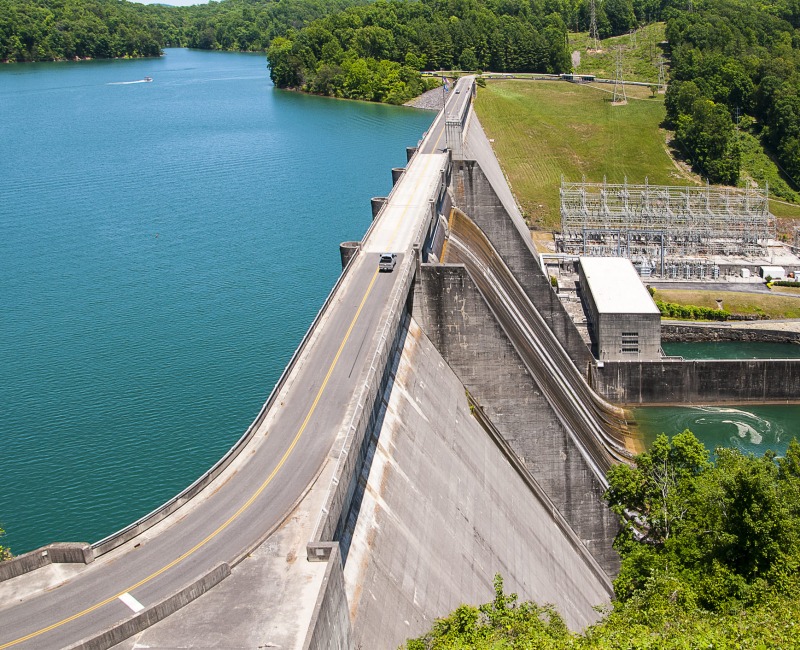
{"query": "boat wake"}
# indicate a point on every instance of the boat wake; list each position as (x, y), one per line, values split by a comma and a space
(128, 83)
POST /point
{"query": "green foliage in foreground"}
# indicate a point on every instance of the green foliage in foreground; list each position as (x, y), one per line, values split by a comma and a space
(691, 312)
(710, 557)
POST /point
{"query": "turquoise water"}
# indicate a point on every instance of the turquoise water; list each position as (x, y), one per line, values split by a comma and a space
(732, 350)
(164, 247)
(752, 429)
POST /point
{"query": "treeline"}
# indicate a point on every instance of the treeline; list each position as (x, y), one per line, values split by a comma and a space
(53, 30)
(250, 25)
(375, 51)
(48, 30)
(710, 559)
(735, 60)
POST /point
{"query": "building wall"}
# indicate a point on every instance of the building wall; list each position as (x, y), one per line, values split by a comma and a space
(616, 340)
(608, 330)
(698, 381)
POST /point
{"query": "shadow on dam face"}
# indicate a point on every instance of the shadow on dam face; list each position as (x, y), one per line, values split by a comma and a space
(443, 507)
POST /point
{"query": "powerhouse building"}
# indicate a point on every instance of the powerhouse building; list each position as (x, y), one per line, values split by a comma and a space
(624, 322)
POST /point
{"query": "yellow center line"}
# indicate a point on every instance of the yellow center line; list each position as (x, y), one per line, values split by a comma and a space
(266, 482)
(234, 516)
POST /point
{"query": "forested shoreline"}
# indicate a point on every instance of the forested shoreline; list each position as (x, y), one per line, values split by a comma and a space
(57, 30)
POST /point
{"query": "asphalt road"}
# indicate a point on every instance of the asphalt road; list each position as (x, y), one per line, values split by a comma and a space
(236, 517)
(460, 96)
(281, 460)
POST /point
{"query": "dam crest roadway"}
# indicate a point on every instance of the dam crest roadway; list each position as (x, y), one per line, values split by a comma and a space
(373, 492)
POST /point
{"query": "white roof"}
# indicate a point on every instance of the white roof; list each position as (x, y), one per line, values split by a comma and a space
(616, 287)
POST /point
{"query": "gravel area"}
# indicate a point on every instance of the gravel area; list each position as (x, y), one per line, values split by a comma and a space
(432, 100)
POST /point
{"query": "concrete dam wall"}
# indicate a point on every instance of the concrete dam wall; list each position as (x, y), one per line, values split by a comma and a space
(475, 196)
(443, 508)
(698, 381)
(454, 315)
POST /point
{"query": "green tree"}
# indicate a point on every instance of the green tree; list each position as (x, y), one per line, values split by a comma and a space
(620, 15)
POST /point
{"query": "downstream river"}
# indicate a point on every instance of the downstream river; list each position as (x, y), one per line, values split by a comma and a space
(165, 245)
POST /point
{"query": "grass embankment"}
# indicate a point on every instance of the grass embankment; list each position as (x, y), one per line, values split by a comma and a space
(771, 305)
(545, 129)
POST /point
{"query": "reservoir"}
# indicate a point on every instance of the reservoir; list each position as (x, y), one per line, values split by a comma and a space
(165, 245)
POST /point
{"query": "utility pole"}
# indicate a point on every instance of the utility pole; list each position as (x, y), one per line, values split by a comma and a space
(620, 98)
(594, 36)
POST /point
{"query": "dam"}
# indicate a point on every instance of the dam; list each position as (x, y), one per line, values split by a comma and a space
(434, 427)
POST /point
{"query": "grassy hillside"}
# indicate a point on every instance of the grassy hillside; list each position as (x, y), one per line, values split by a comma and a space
(639, 56)
(543, 130)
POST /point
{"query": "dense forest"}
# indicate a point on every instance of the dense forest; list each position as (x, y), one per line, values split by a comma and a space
(54, 30)
(375, 51)
(735, 61)
(710, 558)
(345, 48)
(41, 30)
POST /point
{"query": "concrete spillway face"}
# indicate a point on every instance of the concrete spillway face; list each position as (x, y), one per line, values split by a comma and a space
(348, 250)
(377, 203)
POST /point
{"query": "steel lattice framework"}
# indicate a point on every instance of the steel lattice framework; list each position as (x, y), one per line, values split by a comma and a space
(655, 223)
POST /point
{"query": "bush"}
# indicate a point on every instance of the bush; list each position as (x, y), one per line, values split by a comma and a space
(691, 312)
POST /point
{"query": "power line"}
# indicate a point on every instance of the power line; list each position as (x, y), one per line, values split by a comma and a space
(594, 36)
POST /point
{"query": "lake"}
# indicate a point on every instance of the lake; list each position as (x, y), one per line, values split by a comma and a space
(165, 245)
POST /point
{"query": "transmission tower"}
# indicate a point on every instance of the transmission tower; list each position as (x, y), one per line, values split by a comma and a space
(632, 34)
(620, 97)
(662, 75)
(594, 36)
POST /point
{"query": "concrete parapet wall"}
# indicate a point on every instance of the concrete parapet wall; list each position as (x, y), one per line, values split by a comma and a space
(698, 381)
(330, 623)
(147, 617)
(351, 458)
(61, 552)
(455, 317)
(474, 195)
